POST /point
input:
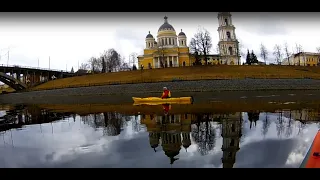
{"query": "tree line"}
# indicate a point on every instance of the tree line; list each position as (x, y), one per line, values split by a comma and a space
(109, 61)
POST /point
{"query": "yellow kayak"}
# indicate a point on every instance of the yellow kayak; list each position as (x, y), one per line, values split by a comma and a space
(158, 101)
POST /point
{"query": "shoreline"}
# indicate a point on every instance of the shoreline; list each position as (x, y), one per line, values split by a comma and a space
(202, 91)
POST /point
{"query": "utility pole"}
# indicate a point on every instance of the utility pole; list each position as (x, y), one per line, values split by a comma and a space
(38, 62)
(49, 62)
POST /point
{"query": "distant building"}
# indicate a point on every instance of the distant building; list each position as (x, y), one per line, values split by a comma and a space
(302, 59)
(171, 50)
(303, 115)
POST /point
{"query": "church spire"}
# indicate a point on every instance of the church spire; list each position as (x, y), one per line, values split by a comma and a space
(165, 19)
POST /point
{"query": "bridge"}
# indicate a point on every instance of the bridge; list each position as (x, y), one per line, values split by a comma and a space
(23, 77)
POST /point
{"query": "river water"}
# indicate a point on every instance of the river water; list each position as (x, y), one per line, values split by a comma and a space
(158, 136)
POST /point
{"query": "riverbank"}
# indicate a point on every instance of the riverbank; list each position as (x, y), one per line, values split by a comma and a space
(200, 90)
(198, 108)
(205, 103)
(184, 74)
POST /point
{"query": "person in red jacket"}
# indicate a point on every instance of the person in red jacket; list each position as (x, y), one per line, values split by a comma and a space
(166, 93)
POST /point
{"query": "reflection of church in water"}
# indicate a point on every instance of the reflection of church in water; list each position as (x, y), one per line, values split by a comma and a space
(174, 131)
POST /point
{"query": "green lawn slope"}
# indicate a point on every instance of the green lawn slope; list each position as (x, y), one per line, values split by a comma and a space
(184, 73)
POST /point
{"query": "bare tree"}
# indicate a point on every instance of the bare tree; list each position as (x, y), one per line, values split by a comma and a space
(103, 64)
(112, 59)
(298, 52)
(264, 53)
(201, 44)
(195, 51)
(95, 64)
(240, 51)
(318, 51)
(217, 49)
(287, 53)
(278, 54)
(161, 55)
(133, 59)
(84, 66)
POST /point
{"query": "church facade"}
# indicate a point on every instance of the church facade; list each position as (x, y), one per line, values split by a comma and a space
(171, 50)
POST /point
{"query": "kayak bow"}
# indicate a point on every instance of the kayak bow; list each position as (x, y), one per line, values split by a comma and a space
(312, 159)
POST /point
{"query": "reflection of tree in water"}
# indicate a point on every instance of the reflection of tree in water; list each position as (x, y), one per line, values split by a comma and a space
(280, 124)
(93, 120)
(203, 134)
(265, 124)
(111, 122)
(74, 117)
(253, 117)
(289, 127)
(135, 124)
(301, 127)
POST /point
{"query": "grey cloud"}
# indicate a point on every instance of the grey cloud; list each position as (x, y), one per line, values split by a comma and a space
(137, 38)
(267, 153)
(260, 24)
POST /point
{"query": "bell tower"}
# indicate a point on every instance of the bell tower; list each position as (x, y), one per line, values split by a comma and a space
(228, 43)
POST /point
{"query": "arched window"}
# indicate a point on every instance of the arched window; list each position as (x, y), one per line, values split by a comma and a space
(228, 35)
(230, 51)
(226, 22)
(184, 63)
(232, 142)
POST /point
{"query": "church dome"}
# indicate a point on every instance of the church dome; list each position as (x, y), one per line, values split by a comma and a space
(182, 33)
(149, 35)
(166, 26)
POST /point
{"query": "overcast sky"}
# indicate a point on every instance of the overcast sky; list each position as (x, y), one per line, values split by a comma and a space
(69, 38)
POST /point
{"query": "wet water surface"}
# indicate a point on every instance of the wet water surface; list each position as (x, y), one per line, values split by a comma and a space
(32, 136)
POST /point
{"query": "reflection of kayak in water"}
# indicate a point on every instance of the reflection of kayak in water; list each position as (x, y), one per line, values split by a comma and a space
(312, 159)
(159, 101)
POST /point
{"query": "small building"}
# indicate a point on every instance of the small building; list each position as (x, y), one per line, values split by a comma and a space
(302, 59)
(81, 72)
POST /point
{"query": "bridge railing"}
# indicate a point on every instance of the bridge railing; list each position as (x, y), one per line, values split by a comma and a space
(30, 67)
